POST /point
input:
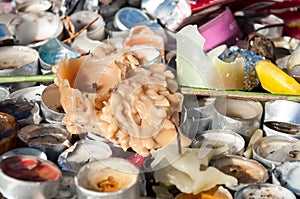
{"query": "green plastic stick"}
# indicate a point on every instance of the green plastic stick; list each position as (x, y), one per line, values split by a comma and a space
(27, 78)
(259, 96)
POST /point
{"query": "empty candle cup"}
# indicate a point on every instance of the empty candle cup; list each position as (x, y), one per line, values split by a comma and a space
(240, 116)
(282, 118)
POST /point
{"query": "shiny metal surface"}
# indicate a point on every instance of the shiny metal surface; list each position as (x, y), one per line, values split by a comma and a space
(281, 111)
(49, 138)
(128, 17)
(13, 188)
(219, 138)
(50, 105)
(18, 60)
(54, 51)
(264, 150)
(241, 116)
(24, 151)
(259, 190)
(92, 171)
(288, 175)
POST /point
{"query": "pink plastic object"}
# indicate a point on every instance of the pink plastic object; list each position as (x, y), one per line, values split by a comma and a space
(223, 29)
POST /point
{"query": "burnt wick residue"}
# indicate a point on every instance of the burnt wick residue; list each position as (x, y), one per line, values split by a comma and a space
(46, 139)
(60, 109)
(108, 185)
(293, 153)
(240, 173)
(283, 127)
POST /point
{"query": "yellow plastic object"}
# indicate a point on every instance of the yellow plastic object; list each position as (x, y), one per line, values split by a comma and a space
(275, 80)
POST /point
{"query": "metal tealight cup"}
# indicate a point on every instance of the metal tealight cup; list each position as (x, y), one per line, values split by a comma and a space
(282, 118)
(196, 115)
(51, 107)
(123, 172)
(240, 116)
(28, 177)
(49, 138)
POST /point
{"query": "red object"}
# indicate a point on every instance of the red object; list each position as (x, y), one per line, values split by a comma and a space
(137, 159)
(29, 163)
(254, 6)
(263, 6)
(30, 169)
(282, 9)
(198, 5)
(292, 23)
